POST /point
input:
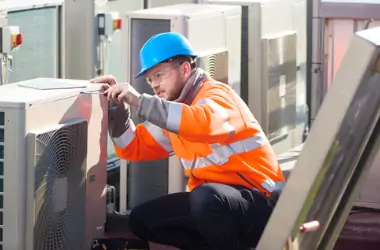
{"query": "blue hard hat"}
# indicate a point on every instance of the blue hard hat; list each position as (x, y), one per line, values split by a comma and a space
(162, 47)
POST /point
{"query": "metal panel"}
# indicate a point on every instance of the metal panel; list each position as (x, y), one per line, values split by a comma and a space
(279, 79)
(336, 155)
(149, 179)
(338, 33)
(369, 191)
(350, 10)
(336, 16)
(158, 3)
(79, 40)
(38, 56)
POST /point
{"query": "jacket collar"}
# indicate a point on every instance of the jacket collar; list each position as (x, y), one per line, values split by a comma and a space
(192, 87)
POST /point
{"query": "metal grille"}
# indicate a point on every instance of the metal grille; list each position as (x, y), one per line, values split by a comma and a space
(2, 140)
(59, 185)
(38, 56)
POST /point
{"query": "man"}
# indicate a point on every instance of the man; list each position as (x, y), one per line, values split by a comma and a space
(234, 177)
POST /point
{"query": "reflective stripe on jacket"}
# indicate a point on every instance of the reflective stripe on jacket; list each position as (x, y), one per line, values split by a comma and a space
(211, 130)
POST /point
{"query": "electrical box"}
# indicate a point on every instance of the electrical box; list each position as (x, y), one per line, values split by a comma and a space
(53, 156)
(215, 33)
(108, 23)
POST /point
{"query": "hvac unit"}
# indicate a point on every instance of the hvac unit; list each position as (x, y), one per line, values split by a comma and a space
(40, 24)
(214, 31)
(53, 154)
(272, 84)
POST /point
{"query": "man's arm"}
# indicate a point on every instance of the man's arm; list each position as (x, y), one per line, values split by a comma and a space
(136, 143)
(212, 119)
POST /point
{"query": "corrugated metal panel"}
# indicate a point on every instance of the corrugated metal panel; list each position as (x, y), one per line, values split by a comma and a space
(38, 56)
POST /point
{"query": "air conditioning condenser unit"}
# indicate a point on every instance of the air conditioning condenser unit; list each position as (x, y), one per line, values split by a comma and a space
(53, 154)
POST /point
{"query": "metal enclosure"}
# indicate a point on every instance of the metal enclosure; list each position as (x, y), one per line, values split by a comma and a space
(219, 52)
(50, 188)
(339, 150)
(273, 67)
(40, 25)
(334, 24)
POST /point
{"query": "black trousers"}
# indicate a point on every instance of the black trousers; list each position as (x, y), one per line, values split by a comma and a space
(212, 216)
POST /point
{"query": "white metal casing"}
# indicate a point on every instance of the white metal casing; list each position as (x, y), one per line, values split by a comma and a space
(29, 110)
(211, 29)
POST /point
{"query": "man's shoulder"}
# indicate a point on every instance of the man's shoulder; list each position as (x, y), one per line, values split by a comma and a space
(212, 84)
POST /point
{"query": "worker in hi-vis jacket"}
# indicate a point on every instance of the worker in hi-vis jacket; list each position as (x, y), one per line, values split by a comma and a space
(234, 177)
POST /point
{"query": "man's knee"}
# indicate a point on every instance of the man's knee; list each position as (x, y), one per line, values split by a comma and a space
(138, 223)
(205, 199)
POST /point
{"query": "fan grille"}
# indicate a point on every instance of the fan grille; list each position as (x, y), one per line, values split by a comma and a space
(59, 186)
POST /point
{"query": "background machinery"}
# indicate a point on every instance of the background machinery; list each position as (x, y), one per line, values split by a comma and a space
(282, 57)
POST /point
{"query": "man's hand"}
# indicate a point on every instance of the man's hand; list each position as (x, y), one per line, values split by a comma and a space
(110, 80)
(122, 92)
(106, 81)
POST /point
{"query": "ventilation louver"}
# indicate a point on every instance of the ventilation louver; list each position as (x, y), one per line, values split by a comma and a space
(216, 65)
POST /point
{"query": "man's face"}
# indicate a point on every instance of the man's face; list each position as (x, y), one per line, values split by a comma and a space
(168, 79)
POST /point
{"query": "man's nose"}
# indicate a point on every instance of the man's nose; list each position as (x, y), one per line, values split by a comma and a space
(155, 85)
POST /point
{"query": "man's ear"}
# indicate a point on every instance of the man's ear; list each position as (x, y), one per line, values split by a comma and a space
(186, 69)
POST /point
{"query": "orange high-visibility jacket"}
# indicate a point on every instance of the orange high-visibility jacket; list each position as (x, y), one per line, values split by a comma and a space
(211, 130)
